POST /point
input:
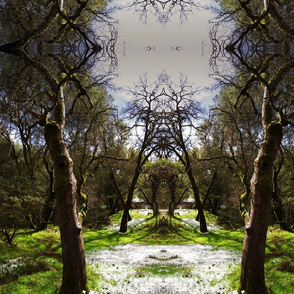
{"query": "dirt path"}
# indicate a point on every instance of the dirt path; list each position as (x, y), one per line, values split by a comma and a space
(158, 269)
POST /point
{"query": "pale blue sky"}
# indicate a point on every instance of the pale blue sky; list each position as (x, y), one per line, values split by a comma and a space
(152, 48)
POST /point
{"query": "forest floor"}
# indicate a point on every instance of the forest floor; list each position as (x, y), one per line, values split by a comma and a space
(135, 268)
(185, 269)
(156, 255)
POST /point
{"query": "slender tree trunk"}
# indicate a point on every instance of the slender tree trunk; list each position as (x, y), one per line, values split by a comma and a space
(120, 196)
(74, 280)
(171, 208)
(252, 266)
(155, 208)
(172, 203)
(124, 220)
(202, 220)
(50, 197)
(207, 194)
(277, 206)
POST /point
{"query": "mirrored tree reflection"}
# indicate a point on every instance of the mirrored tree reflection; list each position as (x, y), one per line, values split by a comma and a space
(165, 114)
(58, 59)
(261, 49)
(48, 50)
(165, 10)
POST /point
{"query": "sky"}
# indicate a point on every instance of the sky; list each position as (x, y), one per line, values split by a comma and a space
(149, 47)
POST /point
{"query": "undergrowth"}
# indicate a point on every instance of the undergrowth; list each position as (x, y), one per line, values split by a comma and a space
(33, 264)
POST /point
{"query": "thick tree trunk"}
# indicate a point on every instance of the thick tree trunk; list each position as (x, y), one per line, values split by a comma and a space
(252, 266)
(74, 280)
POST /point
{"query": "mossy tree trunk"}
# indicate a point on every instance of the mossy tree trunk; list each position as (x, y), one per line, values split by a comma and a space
(252, 266)
(74, 279)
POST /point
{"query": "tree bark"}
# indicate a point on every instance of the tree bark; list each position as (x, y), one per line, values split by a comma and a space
(252, 266)
(124, 220)
(120, 196)
(207, 195)
(171, 208)
(202, 220)
(277, 205)
(74, 280)
(155, 208)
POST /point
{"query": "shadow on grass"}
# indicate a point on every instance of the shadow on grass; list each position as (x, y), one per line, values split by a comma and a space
(164, 232)
(222, 238)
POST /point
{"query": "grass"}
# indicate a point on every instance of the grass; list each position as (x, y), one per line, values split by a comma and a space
(40, 253)
(163, 270)
(279, 263)
(33, 264)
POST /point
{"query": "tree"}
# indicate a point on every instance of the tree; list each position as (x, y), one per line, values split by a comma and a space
(163, 175)
(239, 138)
(21, 198)
(49, 109)
(164, 10)
(268, 73)
(180, 114)
(140, 111)
(164, 111)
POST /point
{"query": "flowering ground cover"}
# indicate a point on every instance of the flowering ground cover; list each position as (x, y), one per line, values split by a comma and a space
(152, 257)
(134, 268)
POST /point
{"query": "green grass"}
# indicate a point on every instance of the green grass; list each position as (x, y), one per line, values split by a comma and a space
(279, 263)
(41, 252)
(38, 255)
(163, 270)
(279, 266)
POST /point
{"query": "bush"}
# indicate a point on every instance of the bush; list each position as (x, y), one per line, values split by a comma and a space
(12, 269)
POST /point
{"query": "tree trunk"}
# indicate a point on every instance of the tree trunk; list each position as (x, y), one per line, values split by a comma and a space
(171, 208)
(252, 266)
(50, 198)
(207, 194)
(74, 280)
(202, 220)
(124, 220)
(155, 208)
(277, 206)
(119, 194)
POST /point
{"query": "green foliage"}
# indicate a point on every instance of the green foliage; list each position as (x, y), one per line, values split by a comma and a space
(163, 270)
(37, 255)
(33, 265)
(17, 205)
(150, 233)
(279, 265)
